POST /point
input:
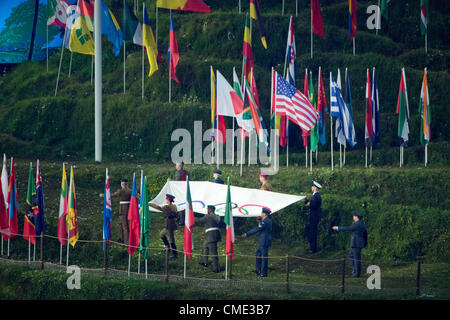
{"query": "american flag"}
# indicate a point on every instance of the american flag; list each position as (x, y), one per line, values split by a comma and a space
(292, 103)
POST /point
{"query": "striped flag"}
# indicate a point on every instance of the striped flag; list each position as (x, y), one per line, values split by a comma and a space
(29, 231)
(188, 223)
(255, 14)
(148, 40)
(12, 203)
(228, 219)
(107, 212)
(294, 104)
(368, 136)
(247, 51)
(403, 110)
(375, 110)
(63, 201)
(424, 111)
(71, 216)
(39, 218)
(345, 132)
(173, 54)
(348, 104)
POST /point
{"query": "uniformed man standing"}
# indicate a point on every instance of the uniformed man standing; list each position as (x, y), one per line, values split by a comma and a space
(170, 214)
(124, 195)
(180, 173)
(263, 178)
(216, 174)
(357, 242)
(264, 242)
(212, 236)
(315, 214)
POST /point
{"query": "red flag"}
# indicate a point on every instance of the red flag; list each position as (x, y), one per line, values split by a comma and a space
(221, 133)
(352, 27)
(133, 217)
(368, 127)
(173, 54)
(317, 23)
(188, 224)
(4, 225)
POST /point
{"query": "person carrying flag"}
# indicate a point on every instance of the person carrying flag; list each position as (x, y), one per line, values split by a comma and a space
(315, 214)
(170, 212)
(264, 242)
(212, 236)
(124, 195)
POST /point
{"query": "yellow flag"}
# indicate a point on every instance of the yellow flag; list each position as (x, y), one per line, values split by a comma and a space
(148, 40)
(80, 38)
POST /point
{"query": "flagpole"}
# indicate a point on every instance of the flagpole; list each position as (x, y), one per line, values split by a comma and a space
(70, 63)
(124, 58)
(331, 131)
(98, 81)
(92, 68)
(60, 253)
(370, 154)
(129, 263)
(378, 18)
(426, 154)
(340, 155)
(47, 44)
(217, 140)
(60, 60)
(232, 145)
(184, 271)
(310, 157)
(311, 34)
(366, 158)
(282, 9)
(34, 250)
(170, 73)
(239, 6)
(354, 45)
(296, 8)
(143, 4)
(306, 153)
(29, 250)
(345, 147)
(226, 266)
(242, 150)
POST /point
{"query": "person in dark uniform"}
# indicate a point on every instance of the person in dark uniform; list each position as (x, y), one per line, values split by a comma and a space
(170, 214)
(357, 242)
(315, 214)
(264, 242)
(124, 195)
(212, 236)
(180, 173)
(216, 174)
(265, 185)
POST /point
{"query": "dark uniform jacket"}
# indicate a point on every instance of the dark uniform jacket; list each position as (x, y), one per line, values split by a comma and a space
(265, 232)
(315, 209)
(123, 195)
(211, 220)
(218, 180)
(359, 234)
(180, 175)
(170, 214)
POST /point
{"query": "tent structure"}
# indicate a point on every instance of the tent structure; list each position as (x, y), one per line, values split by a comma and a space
(246, 202)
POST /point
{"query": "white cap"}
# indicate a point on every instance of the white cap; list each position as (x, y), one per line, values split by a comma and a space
(316, 184)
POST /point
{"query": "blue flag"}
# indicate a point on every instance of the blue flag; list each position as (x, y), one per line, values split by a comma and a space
(111, 29)
(107, 212)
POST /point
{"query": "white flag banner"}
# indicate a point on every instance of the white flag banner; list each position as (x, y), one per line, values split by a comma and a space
(245, 202)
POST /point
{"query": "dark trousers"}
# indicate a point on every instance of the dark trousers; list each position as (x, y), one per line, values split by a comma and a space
(262, 260)
(123, 229)
(355, 260)
(312, 236)
(210, 248)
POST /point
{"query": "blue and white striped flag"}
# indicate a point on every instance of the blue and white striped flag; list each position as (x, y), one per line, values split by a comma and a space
(344, 123)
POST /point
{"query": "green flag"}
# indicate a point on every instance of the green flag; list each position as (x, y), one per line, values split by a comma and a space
(144, 216)
(314, 130)
(132, 28)
(384, 8)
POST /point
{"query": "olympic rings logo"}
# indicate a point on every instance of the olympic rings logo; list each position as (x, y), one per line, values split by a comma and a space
(234, 205)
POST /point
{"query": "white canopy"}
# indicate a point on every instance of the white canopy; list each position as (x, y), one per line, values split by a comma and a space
(246, 202)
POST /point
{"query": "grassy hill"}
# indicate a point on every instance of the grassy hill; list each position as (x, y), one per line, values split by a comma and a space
(34, 122)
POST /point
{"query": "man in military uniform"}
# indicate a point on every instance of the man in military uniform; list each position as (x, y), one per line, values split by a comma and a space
(357, 242)
(170, 214)
(263, 178)
(180, 173)
(315, 214)
(264, 242)
(212, 236)
(124, 195)
(216, 174)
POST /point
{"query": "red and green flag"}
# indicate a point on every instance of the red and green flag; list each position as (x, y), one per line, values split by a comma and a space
(71, 216)
(403, 110)
(29, 230)
(228, 219)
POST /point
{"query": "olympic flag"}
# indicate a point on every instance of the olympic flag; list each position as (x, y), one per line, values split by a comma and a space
(246, 202)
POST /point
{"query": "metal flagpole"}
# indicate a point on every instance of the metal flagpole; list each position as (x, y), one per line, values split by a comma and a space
(217, 140)
(354, 45)
(282, 9)
(311, 34)
(366, 158)
(426, 154)
(239, 6)
(60, 61)
(345, 147)
(29, 250)
(47, 45)
(331, 132)
(296, 8)
(370, 154)
(340, 155)
(92, 68)
(60, 253)
(70, 63)
(306, 153)
(310, 159)
(242, 149)
(98, 81)
(232, 145)
(129, 263)
(124, 62)
(34, 250)
(378, 18)
(184, 271)
(250, 145)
